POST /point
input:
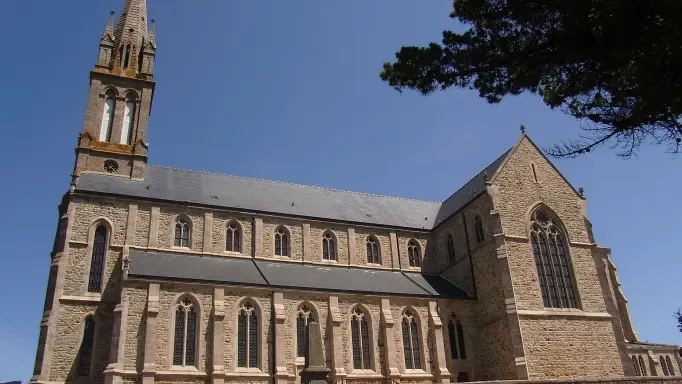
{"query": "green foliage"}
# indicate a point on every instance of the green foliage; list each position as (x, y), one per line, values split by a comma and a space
(612, 64)
(678, 316)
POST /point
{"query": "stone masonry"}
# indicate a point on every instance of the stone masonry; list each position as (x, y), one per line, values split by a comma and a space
(506, 331)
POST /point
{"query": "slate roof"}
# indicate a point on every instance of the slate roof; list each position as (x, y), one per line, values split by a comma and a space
(256, 195)
(278, 274)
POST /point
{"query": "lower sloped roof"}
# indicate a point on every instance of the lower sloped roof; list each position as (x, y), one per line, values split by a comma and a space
(280, 274)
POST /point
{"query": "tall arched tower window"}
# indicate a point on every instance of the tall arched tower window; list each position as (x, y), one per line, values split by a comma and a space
(99, 249)
(413, 359)
(185, 335)
(107, 118)
(87, 347)
(642, 366)
(247, 336)
(128, 122)
(661, 360)
(635, 365)
(552, 262)
(359, 326)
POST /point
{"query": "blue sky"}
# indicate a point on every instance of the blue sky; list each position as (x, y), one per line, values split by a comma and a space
(290, 91)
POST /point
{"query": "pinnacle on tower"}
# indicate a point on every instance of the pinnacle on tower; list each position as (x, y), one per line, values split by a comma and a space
(109, 30)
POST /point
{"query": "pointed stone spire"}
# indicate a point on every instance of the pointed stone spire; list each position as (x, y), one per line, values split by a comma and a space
(131, 26)
(152, 31)
(109, 30)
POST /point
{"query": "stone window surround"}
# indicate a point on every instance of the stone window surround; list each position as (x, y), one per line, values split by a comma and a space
(380, 252)
(420, 251)
(190, 225)
(242, 242)
(88, 264)
(81, 333)
(110, 91)
(335, 239)
(560, 225)
(258, 308)
(287, 232)
(198, 339)
(299, 362)
(417, 318)
(370, 332)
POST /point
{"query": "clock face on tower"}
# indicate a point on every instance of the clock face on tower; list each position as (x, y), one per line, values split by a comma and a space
(110, 166)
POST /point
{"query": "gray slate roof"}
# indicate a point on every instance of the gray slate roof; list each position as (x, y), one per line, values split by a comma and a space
(193, 187)
(277, 274)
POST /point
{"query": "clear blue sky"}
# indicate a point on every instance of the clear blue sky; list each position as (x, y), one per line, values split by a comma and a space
(290, 91)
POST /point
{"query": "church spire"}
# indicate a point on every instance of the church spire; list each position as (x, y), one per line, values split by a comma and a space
(131, 27)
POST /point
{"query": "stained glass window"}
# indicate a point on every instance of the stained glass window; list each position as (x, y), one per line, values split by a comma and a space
(451, 248)
(87, 346)
(414, 253)
(304, 317)
(373, 253)
(478, 229)
(411, 348)
(360, 340)
(185, 334)
(182, 230)
(99, 248)
(247, 337)
(281, 242)
(233, 238)
(552, 263)
(328, 247)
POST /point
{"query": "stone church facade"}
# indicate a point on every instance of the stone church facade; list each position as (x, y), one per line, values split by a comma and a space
(168, 275)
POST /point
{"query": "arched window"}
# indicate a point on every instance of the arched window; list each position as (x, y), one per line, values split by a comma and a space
(329, 247)
(373, 251)
(663, 365)
(128, 121)
(411, 349)
(99, 249)
(414, 253)
(281, 242)
(233, 238)
(552, 262)
(671, 371)
(478, 229)
(182, 232)
(107, 118)
(456, 337)
(126, 61)
(87, 347)
(303, 318)
(185, 335)
(635, 364)
(360, 338)
(451, 248)
(247, 337)
(642, 367)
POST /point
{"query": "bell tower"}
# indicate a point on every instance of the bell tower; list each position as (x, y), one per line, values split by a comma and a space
(114, 136)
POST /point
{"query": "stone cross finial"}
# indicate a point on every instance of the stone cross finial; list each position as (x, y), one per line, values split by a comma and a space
(112, 13)
(523, 128)
(581, 191)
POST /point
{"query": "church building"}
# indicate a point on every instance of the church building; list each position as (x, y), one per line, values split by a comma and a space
(174, 276)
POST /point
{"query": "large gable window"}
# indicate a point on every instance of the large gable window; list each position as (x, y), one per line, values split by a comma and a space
(99, 249)
(360, 339)
(552, 262)
(411, 341)
(185, 335)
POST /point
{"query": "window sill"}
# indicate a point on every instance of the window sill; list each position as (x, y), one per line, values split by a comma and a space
(92, 298)
(363, 374)
(415, 374)
(177, 248)
(249, 372)
(330, 261)
(565, 312)
(183, 368)
(233, 253)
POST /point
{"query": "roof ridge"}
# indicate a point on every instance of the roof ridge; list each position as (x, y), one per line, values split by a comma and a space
(479, 174)
(297, 184)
